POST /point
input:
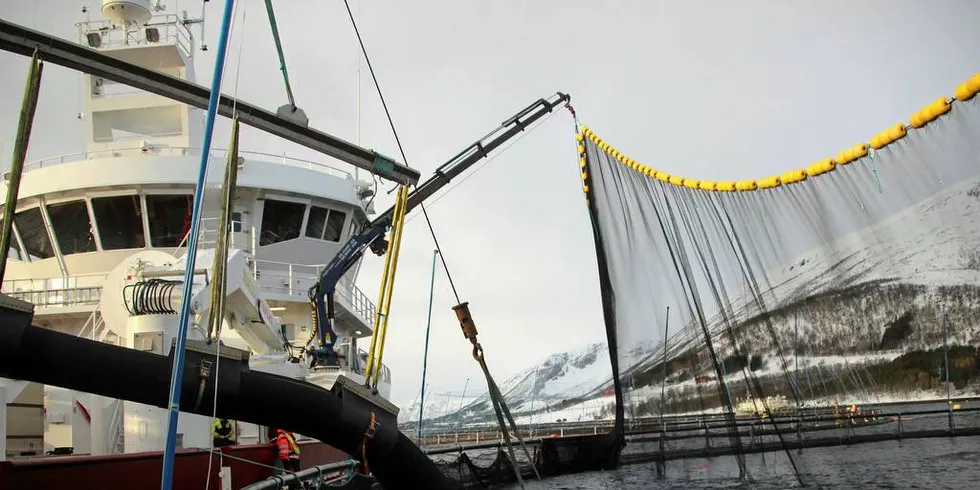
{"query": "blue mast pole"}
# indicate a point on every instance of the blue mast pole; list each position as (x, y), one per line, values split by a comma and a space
(185, 306)
(425, 356)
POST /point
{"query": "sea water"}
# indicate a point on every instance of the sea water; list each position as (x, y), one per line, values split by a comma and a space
(944, 463)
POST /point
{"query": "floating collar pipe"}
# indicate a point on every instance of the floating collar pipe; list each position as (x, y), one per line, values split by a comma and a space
(53, 358)
(185, 304)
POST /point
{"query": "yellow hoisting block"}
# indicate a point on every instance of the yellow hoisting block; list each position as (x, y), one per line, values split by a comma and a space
(377, 349)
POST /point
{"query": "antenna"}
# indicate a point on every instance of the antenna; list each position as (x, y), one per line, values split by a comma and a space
(129, 13)
(358, 140)
(204, 45)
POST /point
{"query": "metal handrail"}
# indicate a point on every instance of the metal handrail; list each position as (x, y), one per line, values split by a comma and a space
(90, 324)
(320, 471)
(45, 280)
(56, 283)
(209, 235)
(174, 32)
(61, 297)
(115, 429)
(358, 302)
(183, 151)
(57, 291)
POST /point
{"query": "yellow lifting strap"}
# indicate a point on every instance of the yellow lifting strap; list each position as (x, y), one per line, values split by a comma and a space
(376, 351)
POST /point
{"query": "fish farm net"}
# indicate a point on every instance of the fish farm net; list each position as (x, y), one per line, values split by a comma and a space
(846, 281)
(550, 457)
(780, 313)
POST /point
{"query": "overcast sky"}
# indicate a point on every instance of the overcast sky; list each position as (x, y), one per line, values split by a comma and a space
(716, 90)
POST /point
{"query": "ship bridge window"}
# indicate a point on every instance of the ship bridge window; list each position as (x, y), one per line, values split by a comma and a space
(72, 227)
(135, 124)
(120, 222)
(325, 224)
(34, 234)
(353, 228)
(169, 217)
(281, 221)
(14, 252)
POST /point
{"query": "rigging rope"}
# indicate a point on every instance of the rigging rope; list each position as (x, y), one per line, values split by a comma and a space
(425, 353)
(499, 404)
(401, 149)
(468, 328)
(282, 58)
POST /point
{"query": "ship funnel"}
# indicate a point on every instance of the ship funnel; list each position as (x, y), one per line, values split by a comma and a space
(127, 11)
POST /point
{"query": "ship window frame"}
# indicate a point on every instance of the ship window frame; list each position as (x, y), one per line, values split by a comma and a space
(162, 114)
(300, 231)
(44, 225)
(53, 232)
(237, 218)
(15, 243)
(147, 193)
(308, 227)
(140, 208)
(326, 221)
(353, 228)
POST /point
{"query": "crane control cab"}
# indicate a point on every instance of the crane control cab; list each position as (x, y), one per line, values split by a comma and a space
(373, 233)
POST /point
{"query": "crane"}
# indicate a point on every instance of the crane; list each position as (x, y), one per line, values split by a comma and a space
(372, 233)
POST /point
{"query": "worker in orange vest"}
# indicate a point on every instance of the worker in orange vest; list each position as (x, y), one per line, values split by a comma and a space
(288, 450)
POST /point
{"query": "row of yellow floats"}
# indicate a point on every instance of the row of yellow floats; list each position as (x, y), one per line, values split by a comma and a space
(927, 114)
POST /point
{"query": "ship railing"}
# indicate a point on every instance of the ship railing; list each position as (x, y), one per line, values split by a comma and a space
(295, 280)
(360, 362)
(241, 236)
(347, 369)
(115, 443)
(320, 474)
(169, 28)
(176, 151)
(385, 372)
(93, 326)
(82, 289)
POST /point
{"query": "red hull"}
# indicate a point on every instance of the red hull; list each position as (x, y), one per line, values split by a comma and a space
(139, 471)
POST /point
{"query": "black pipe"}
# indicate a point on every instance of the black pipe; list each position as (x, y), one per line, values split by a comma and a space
(53, 358)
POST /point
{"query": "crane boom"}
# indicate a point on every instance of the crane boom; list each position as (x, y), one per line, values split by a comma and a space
(372, 235)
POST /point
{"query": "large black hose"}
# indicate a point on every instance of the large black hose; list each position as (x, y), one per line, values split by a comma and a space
(58, 359)
(150, 297)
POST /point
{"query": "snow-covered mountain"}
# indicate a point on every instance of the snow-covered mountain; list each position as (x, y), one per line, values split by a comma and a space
(437, 405)
(558, 380)
(870, 296)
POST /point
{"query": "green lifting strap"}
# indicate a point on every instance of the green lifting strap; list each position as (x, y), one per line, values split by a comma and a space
(22, 141)
(282, 59)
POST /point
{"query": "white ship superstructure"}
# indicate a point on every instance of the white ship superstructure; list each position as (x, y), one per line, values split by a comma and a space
(99, 238)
